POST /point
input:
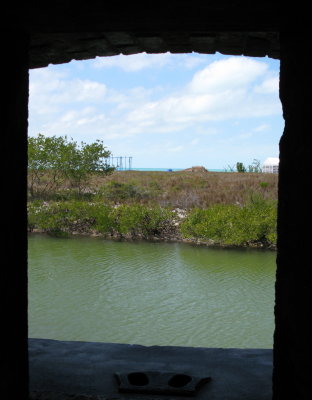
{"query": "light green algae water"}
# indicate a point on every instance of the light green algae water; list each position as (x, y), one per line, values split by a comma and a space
(150, 293)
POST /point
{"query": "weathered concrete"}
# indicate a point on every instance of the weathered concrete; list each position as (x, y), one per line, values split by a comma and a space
(84, 368)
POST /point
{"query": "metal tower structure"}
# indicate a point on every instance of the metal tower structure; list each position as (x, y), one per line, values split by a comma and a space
(121, 163)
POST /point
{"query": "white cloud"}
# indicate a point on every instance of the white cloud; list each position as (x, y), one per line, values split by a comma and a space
(75, 91)
(233, 72)
(194, 142)
(229, 88)
(221, 91)
(175, 149)
(268, 86)
(261, 128)
(45, 78)
(132, 63)
(191, 62)
(50, 90)
(137, 62)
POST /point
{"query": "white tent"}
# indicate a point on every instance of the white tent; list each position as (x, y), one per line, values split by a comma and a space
(270, 165)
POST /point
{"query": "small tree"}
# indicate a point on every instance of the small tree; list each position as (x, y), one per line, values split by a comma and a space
(84, 160)
(255, 166)
(240, 167)
(52, 160)
(46, 155)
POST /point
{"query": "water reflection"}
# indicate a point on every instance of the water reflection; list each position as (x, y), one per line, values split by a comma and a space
(150, 293)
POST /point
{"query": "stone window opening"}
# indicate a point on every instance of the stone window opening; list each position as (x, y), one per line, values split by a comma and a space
(140, 375)
(38, 35)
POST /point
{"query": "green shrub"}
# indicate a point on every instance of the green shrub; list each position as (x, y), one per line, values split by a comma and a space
(68, 216)
(119, 191)
(233, 224)
(155, 186)
(82, 217)
(224, 224)
(141, 220)
(264, 185)
(103, 218)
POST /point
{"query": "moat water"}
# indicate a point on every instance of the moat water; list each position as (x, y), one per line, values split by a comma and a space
(147, 293)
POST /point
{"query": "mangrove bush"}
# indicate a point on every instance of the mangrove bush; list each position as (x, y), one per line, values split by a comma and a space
(54, 160)
(234, 224)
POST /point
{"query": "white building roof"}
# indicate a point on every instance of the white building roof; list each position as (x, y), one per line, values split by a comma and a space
(271, 161)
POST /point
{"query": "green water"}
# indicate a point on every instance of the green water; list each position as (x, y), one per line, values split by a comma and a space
(150, 293)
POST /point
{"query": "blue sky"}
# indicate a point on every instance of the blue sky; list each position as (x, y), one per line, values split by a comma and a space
(164, 110)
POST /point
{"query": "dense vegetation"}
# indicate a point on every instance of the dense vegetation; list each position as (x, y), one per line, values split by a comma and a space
(72, 189)
(253, 223)
(73, 216)
(52, 161)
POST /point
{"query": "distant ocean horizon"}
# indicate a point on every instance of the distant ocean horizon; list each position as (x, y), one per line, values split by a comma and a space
(169, 169)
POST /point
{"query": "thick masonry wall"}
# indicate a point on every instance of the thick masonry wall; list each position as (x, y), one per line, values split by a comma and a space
(293, 339)
(13, 280)
(63, 47)
(35, 34)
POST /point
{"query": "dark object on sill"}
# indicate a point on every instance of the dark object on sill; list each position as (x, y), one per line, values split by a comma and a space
(155, 382)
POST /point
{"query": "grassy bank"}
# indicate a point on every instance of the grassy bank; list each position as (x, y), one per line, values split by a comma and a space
(216, 208)
(168, 189)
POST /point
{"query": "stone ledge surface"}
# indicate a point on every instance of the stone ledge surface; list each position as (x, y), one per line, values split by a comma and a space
(86, 370)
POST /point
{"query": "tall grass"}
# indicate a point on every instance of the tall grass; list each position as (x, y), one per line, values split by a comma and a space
(173, 189)
(223, 208)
